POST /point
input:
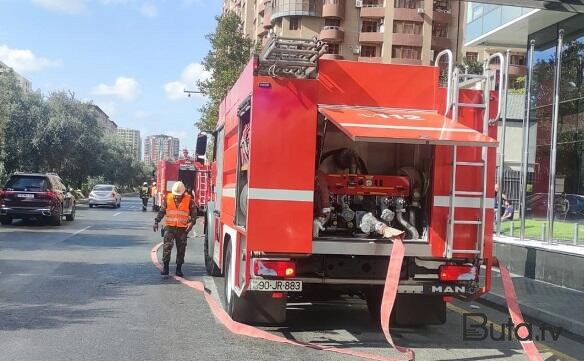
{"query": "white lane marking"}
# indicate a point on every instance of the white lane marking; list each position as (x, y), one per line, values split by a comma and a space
(117, 214)
(81, 230)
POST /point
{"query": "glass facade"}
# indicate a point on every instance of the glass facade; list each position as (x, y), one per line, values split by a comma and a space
(282, 8)
(482, 18)
(568, 200)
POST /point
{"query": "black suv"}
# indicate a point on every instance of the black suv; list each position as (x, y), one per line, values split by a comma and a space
(42, 196)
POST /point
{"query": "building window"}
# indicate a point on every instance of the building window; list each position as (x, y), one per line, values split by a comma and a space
(409, 4)
(333, 48)
(332, 23)
(406, 52)
(442, 6)
(370, 26)
(407, 27)
(368, 51)
(440, 30)
(294, 23)
(517, 60)
(371, 3)
(472, 56)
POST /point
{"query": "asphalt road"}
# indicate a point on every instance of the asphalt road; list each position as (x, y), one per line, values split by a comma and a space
(88, 291)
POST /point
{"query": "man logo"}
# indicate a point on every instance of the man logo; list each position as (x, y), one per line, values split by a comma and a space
(395, 116)
(448, 289)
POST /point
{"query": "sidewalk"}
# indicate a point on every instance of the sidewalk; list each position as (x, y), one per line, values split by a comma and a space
(543, 302)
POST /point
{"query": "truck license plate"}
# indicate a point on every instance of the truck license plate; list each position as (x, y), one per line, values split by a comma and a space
(275, 285)
(25, 195)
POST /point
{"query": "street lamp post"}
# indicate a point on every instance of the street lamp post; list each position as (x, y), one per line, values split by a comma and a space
(189, 92)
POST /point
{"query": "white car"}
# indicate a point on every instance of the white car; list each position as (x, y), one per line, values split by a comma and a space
(105, 195)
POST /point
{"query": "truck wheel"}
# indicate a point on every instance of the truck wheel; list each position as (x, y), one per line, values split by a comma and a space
(210, 266)
(5, 220)
(252, 307)
(373, 296)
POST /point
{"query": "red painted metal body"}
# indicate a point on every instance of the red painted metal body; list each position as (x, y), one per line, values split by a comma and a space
(169, 171)
(283, 138)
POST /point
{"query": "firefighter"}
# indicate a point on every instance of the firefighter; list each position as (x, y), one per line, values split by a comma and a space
(180, 212)
(144, 194)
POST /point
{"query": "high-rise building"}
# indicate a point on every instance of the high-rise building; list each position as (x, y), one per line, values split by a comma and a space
(388, 31)
(160, 147)
(25, 84)
(131, 138)
(103, 120)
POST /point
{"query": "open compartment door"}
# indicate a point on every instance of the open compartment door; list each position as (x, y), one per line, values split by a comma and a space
(403, 126)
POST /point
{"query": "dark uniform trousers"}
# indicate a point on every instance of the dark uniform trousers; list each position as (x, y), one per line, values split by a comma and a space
(171, 235)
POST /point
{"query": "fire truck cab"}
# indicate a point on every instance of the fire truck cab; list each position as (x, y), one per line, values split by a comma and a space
(313, 159)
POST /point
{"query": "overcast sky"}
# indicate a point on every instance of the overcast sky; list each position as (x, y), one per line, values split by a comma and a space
(133, 58)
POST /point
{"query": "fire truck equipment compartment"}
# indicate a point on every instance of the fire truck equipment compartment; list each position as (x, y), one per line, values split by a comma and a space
(403, 126)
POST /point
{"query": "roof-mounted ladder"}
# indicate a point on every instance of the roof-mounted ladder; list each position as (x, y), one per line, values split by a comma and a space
(297, 58)
(453, 101)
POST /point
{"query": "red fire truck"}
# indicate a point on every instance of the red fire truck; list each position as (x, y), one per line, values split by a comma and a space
(312, 157)
(192, 172)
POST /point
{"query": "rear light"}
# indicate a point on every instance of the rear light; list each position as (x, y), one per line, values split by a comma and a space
(47, 195)
(451, 272)
(274, 268)
(113, 194)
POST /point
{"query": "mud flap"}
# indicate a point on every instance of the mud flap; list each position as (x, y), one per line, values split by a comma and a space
(260, 308)
(418, 310)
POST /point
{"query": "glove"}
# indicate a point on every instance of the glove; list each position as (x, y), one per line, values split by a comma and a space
(155, 227)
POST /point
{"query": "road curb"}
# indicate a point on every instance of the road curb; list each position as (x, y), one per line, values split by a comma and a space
(536, 314)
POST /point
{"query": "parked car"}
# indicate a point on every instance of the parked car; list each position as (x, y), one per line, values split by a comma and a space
(567, 207)
(105, 195)
(42, 196)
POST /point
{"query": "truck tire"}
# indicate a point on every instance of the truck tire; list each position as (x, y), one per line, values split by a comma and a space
(210, 266)
(252, 307)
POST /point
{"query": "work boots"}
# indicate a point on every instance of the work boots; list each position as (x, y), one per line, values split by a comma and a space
(178, 269)
(165, 270)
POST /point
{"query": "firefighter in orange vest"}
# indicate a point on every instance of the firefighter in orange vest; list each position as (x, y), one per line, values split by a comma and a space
(180, 211)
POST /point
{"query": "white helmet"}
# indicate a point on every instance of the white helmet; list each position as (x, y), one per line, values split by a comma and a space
(178, 189)
(145, 183)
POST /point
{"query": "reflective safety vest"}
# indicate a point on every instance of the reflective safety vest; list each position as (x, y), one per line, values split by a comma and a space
(177, 216)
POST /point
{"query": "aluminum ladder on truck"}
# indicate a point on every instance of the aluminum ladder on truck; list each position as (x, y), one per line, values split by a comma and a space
(297, 58)
(202, 186)
(453, 101)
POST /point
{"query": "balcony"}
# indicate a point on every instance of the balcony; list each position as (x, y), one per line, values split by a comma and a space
(514, 70)
(332, 34)
(375, 11)
(370, 59)
(332, 56)
(267, 18)
(442, 16)
(283, 8)
(333, 9)
(407, 39)
(407, 14)
(371, 37)
(406, 61)
(440, 42)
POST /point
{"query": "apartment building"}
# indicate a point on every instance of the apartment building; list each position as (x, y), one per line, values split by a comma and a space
(103, 120)
(131, 138)
(24, 83)
(160, 147)
(390, 31)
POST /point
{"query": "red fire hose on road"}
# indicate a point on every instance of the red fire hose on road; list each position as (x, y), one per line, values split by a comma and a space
(388, 300)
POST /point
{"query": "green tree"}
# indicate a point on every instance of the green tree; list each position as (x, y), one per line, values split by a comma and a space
(230, 52)
(470, 66)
